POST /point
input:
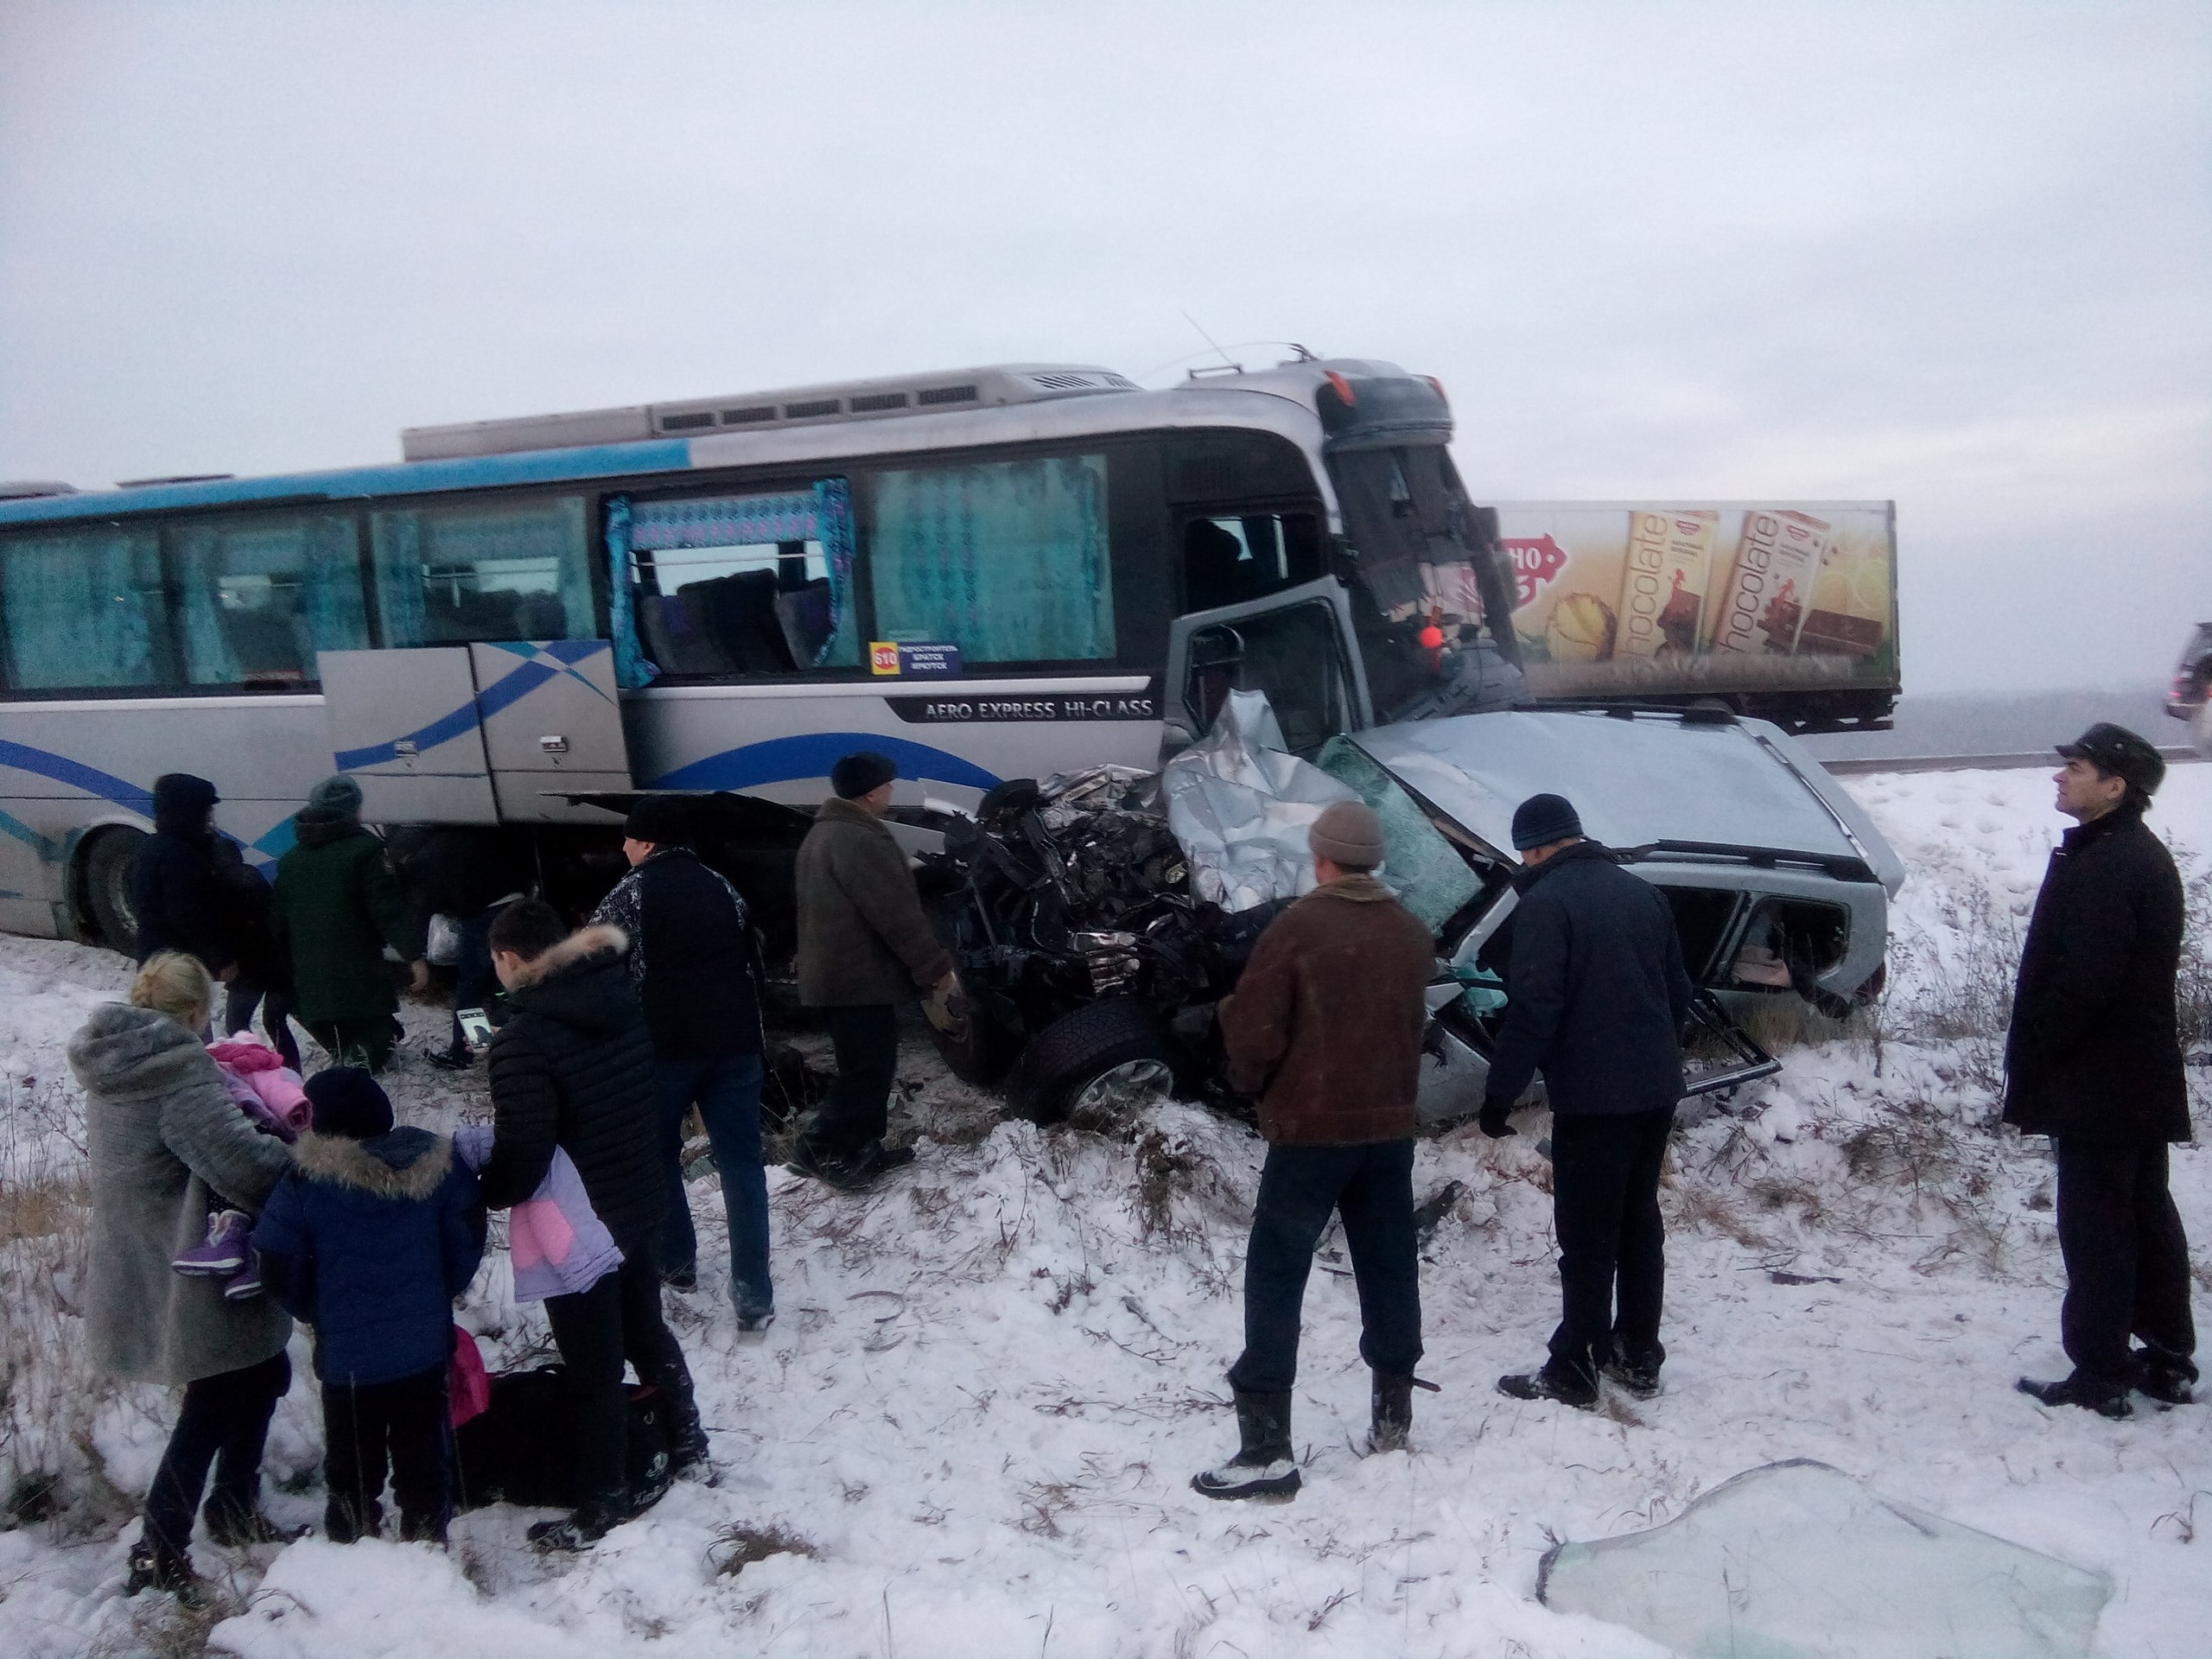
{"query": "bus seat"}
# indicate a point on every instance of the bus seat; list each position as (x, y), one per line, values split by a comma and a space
(807, 620)
(737, 612)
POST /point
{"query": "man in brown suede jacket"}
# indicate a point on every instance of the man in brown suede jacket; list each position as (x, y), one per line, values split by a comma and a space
(864, 946)
(1325, 1028)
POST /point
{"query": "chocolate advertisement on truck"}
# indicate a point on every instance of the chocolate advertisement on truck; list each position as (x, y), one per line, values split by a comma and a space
(1764, 605)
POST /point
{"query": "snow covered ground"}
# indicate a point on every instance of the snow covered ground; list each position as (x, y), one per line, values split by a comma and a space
(989, 1382)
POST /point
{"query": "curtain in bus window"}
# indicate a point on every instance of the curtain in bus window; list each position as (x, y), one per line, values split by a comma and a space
(261, 598)
(516, 570)
(725, 586)
(1007, 560)
(85, 608)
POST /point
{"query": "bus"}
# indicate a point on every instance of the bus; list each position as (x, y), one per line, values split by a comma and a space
(995, 573)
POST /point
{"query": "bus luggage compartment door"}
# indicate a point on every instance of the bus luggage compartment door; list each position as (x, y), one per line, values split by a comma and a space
(403, 725)
(552, 726)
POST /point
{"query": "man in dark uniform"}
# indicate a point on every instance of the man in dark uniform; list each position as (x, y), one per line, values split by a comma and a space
(1596, 996)
(2095, 1062)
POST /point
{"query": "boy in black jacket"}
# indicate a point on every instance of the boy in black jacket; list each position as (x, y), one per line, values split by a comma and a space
(369, 1239)
(693, 960)
(572, 1068)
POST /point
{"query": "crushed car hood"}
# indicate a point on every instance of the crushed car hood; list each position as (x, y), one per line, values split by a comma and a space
(1635, 780)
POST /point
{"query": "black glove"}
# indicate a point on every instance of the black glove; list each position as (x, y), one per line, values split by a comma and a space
(1494, 1114)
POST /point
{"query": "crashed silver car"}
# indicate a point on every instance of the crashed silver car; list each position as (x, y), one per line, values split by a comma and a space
(1098, 919)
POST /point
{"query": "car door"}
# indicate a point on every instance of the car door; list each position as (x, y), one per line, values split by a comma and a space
(1296, 646)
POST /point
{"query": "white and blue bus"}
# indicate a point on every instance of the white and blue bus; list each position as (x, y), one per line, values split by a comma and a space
(991, 573)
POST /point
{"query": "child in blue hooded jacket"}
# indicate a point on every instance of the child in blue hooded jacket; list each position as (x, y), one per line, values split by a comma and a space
(369, 1239)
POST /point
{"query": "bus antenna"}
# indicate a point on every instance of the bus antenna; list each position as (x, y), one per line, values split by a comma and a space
(1235, 367)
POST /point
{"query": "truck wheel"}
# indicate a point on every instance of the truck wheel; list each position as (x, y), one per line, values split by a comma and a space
(1108, 1057)
(107, 868)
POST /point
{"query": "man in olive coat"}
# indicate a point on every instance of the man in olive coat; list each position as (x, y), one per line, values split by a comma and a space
(864, 946)
(1325, 1028)
(338, 905)
(2093, 1061)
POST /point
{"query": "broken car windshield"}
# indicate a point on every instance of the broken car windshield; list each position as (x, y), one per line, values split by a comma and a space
(1432, 589)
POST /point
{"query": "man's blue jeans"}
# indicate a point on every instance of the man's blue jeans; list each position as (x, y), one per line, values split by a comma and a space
(727, 1091)
(1372, 1188)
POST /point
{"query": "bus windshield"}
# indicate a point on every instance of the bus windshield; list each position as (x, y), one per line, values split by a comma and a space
(1434, 594)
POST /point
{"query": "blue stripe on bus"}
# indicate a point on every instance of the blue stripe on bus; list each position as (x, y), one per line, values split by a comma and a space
(62, 770)
(44, 763)
(812, 755)
(409, 478)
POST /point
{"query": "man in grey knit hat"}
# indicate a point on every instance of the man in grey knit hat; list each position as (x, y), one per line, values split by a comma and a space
(1324, 1028)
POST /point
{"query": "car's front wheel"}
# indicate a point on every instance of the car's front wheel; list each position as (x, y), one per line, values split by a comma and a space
(1105, 1060)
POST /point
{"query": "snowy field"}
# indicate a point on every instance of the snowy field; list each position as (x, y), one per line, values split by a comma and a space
(972, 1424)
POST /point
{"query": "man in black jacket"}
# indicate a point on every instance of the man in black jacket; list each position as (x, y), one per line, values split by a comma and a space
(2093, 1060)
(572, 1068)
(1596, 996)
(175, 895)
(693, 959)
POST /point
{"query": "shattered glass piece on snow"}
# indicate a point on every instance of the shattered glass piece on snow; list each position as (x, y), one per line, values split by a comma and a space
(1423, 868)
(1799, 1560)
(1241, 807)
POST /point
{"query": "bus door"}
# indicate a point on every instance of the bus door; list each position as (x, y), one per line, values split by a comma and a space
(1295, 644)
(477, 733)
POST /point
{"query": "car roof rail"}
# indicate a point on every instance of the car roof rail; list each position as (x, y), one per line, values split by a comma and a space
(1841, 866)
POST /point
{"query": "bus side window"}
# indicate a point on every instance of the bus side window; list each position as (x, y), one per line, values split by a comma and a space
(512, 570)
(727, 587)
(1007, 560)
(261, 596)
(1233, 558)
(85, 608)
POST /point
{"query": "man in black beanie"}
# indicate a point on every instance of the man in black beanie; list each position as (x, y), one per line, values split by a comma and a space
(864, 946)
(697, 969)
(1596, 996)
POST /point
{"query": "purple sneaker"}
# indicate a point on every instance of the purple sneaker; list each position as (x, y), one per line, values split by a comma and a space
(245, 1283)
(228, 1247)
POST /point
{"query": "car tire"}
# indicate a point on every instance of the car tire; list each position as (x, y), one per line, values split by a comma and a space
(980, 1055)
(107, 864)
(1108, 1049)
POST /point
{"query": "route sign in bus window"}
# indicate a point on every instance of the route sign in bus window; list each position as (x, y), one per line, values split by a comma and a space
(85, 608)
(259, 597)
(1007, 560)
(517, 570)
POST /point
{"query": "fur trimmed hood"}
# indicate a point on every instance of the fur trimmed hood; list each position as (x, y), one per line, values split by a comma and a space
(583, 942)
(406, 1163)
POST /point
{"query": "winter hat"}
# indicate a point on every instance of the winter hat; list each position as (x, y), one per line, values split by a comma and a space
(662, 819)
(2114, 750)
(346, 1101)
(859, 772)
(1347, 834)
(1543, 819)
(339, 796)
(182, 802)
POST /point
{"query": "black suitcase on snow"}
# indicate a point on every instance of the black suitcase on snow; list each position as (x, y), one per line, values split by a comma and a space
(519, 1449)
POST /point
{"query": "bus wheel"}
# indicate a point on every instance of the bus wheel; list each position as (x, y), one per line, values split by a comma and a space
(106, 878)
(1102, 1061)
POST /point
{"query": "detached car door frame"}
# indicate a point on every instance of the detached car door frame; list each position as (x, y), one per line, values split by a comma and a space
(1218, 642)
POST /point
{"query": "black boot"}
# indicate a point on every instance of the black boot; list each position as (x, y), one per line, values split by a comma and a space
(2105, 1399)
(1569, 1384)
(1264, 1465)
(1638, 1376)
(573, 1534)
(1391, 1419)
(2169, 1378)
(688, 1456)
(235, 1526)
(154, 1568)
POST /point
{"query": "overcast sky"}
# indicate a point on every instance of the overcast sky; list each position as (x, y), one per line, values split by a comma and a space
(1956, 255)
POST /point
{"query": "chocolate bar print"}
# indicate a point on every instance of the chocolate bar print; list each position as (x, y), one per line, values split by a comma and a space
(1777, 557)
(1663, 582)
